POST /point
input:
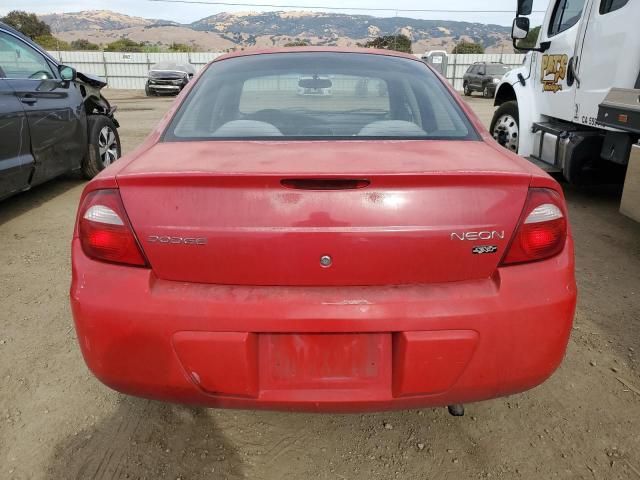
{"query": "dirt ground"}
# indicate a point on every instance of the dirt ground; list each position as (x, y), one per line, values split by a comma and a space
(58, 422)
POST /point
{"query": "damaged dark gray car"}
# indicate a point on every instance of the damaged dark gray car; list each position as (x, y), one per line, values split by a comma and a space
(53, 119)
(168, 78)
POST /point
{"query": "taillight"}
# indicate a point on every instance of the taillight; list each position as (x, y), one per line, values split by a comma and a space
(542, 231)
(105, 232)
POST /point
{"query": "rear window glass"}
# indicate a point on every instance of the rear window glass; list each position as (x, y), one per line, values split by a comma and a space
(360, 92)
(496, 70)
(309, 95)
(172, 66)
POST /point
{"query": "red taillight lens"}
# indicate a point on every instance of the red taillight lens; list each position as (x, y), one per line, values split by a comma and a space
(542, 231)
(105, 232)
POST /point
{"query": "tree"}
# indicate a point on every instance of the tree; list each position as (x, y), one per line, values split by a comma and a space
(468, 47)
(49, 42)
(124, 45)
(531, 39)
(27, 23)
(84, 44)
(180, 47)
(400, 43)
(298, 43)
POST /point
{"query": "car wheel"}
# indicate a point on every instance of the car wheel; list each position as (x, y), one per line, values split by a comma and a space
(467, 90)
(505, 126)
(147, 92)
(486, 92)
(103, 146)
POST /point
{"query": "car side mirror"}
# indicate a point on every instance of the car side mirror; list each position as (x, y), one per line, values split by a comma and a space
(67, 73)
(525, 7)
(482, 72)
(520, 28)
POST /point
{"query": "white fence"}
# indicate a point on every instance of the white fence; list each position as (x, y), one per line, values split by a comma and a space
(129, 70)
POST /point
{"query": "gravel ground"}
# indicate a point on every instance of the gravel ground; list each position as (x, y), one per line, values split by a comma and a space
(58, 422)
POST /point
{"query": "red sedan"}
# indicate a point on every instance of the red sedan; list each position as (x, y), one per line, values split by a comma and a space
(322, 230)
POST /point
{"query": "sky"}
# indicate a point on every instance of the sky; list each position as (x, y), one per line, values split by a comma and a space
(186, 13)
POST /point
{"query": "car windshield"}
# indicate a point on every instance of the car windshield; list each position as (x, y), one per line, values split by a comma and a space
(496, 69)
(171, 66)
(313, 95)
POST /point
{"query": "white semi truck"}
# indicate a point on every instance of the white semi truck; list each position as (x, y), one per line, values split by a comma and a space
(573, 107)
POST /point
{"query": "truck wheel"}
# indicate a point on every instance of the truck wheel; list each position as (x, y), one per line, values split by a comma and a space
(486, 93)
(467, 90)
(505, 126)
(103, 146)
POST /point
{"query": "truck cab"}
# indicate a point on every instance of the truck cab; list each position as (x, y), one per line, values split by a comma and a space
(548, 108)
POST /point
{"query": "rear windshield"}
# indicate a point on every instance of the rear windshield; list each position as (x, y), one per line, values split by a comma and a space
(316, 95)
(170, 66)
(496, 69)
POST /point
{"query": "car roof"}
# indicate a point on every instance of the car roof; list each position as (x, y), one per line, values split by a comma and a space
(10, 29)
(313, 49)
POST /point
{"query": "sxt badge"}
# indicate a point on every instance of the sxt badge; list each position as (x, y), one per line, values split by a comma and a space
(484, 249)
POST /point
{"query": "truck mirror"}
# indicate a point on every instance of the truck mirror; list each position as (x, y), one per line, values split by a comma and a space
(525, 7)
(520, 28)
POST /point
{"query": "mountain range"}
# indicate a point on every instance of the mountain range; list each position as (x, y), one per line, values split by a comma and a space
(230, 31)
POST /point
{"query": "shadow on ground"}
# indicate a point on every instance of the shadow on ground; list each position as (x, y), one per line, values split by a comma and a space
(20, 203)
(607, 264)
(150, 440)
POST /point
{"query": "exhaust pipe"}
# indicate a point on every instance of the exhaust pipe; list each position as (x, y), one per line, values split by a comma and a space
(456, 410)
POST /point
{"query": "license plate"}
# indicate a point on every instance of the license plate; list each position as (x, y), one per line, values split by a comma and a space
(324, 361)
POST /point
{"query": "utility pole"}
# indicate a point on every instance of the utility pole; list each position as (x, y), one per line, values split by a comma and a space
(395, 35)
(57, 30)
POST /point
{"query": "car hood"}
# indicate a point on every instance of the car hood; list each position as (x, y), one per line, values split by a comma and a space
(93, 80)
(167, 74)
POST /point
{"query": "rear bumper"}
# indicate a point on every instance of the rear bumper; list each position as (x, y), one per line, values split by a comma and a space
(323, 348)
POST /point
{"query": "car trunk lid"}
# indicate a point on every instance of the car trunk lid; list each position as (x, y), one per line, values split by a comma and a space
(323, 213)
